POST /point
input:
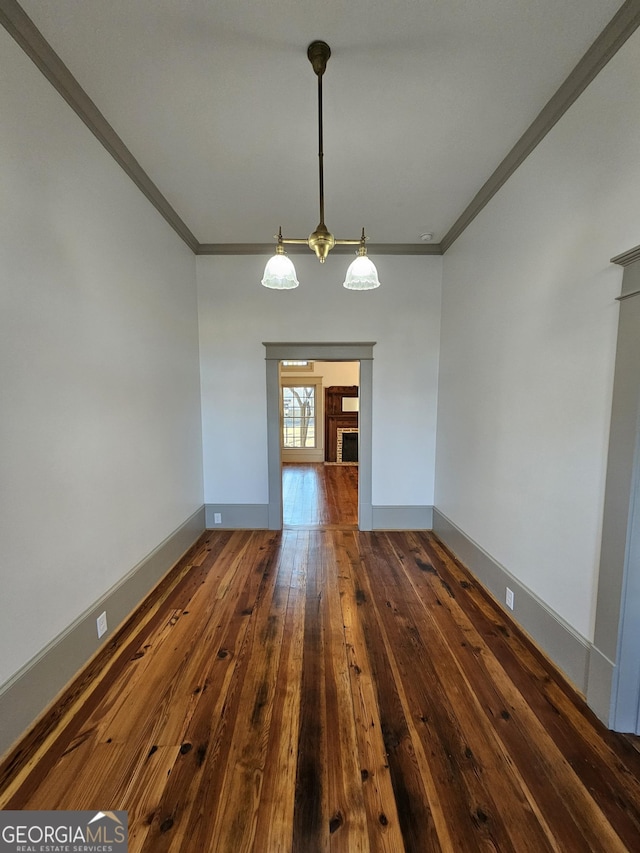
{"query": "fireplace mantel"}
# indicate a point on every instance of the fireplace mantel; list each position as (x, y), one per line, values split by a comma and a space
(335, 418)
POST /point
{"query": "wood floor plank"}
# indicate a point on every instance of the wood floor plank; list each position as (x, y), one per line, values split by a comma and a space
(274, 827)
(311, 809)
(188, 805)
(325, 689)
(385, 835)
(348, 822)
(237, 806)
(319, 495)
(420, 808)
(439, 730)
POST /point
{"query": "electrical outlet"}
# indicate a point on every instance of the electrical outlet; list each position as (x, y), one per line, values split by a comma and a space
(509, 598)
(217, 518)
(101, 624)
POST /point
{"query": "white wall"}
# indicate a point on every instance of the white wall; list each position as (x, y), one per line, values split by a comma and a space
(100, 429)
(529, 330)
(237, 314)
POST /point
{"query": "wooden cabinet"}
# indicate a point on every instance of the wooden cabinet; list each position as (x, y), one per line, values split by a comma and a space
(335, 418)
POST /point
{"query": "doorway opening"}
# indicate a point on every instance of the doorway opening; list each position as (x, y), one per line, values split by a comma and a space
(362, 355)
(319, 411)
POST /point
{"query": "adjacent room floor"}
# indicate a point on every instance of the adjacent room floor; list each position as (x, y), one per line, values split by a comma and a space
(319, 495)
(322, 688)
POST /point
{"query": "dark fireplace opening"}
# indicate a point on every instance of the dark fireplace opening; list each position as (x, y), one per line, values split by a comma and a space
(349, 446)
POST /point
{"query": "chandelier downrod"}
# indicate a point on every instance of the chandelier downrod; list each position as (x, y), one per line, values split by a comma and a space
(319, 53)
(320, 150)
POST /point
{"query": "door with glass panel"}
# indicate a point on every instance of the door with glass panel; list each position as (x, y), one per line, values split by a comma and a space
(301, 421)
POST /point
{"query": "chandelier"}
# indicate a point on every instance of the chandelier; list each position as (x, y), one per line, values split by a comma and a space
(280, 273)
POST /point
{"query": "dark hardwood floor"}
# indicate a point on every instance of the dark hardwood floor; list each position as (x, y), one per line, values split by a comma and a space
(329, 690)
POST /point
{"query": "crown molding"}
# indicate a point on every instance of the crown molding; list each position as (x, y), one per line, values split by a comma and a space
(24, 31)
(623, 24)
(20, 26)
(627, 258)
(295, 249)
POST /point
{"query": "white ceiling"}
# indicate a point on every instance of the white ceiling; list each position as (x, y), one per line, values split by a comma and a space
(422, 100)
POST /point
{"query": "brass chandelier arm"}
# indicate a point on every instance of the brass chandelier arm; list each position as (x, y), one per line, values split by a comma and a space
(305, 241)
(308, 241)
(317, 236)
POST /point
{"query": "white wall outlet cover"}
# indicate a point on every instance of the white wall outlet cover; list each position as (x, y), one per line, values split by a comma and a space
(510, 598)
(101, 624)
(217, 518)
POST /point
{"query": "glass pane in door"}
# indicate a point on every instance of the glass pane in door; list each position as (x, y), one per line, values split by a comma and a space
(299, 416)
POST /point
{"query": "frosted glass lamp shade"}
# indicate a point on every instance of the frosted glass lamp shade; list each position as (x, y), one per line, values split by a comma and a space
(280, 273)
(362, 274)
